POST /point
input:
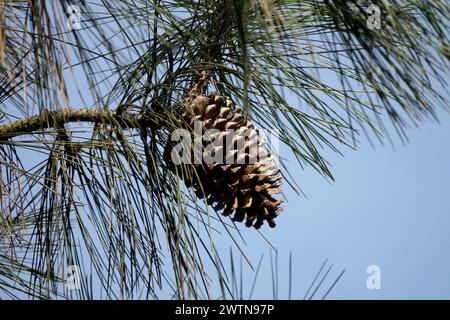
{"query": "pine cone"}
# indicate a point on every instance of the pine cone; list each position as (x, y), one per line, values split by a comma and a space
(244, 179)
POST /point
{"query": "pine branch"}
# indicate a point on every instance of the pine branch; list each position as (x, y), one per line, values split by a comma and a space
(57, 119)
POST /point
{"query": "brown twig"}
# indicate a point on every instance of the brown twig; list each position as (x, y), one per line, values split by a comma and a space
(57, 119)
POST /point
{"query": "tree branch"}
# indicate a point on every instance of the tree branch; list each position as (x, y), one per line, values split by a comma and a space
(57, 119)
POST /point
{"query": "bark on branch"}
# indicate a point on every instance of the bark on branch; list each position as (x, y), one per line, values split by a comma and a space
(57, 119)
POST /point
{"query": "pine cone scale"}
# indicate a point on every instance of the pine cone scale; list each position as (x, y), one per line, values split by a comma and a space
(241, 188)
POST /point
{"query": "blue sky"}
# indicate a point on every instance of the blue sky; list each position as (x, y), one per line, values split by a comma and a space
(388, 207)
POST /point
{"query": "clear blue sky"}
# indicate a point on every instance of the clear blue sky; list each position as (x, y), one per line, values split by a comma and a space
(387, 207)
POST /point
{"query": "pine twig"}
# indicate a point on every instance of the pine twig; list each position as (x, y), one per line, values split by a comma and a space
(57, 119)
